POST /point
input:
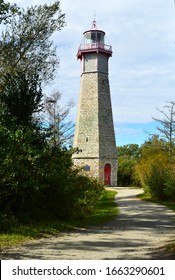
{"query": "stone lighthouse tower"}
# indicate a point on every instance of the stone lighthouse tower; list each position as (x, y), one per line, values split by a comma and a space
(94, 132)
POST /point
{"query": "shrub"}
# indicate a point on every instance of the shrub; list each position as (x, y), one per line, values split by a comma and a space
(7, 222)
(38, 181)
(170, 184)
(126, 171)
(156, 179)
(72, 196)
(84, 193)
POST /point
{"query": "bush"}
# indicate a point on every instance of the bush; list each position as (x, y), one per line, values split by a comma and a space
(170, 184)
(157, 177)
(20, 170)
(84, 193)
(42, 184)
(72, 196)
(126, 171)
(7, 222)
(156, 180)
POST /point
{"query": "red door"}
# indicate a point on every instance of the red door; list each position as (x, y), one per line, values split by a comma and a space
(107, 174)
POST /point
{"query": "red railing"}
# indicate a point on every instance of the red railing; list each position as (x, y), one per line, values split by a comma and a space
(95, 46)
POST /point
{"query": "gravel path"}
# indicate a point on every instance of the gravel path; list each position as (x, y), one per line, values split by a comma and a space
(140, 231)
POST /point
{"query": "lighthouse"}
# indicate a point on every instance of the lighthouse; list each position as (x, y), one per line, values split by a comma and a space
(94, 131)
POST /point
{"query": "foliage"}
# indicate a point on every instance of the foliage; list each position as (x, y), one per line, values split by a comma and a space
(25, 43)
(21, 98)
(20, 173)
(156, 178)
(37, 180)
(7, 11)
(155, 170)
(153, 146)
(130, 151)
(157, 164)
(106, 208)
(170, 184)
(128, 156)
(126, 171)
(64, 192)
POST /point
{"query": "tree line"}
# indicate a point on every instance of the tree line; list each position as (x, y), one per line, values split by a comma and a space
(37, 177)
(152, 165)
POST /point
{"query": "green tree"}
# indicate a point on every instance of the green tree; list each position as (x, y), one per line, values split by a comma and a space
(153, 146)
(25, 43)
(155, 169)
(21, 142)
(130, 150)
(7, 11)
(20, 99)
(128, 156)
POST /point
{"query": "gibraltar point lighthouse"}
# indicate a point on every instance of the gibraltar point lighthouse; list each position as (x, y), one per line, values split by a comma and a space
(94, 131)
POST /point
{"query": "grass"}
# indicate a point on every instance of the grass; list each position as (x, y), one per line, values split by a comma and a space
(106, 210)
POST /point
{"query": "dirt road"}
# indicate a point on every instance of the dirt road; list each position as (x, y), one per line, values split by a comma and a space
(140, 231)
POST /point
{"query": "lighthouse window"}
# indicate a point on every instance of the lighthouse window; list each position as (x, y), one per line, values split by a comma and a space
(93, 37)
(88, 38)
(100, 38)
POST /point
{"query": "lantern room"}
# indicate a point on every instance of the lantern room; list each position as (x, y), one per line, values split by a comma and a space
(94, 41)
(94, 36)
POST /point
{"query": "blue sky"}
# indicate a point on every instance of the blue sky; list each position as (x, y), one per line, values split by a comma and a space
(142, 68)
